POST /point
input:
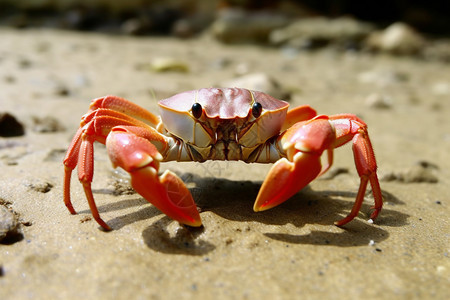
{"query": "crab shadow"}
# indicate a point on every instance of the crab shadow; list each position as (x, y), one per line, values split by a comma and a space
(233, 200)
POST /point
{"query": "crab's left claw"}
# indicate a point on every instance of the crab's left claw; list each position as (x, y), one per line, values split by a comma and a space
(139, 157)
(304, 143)
(285, 179)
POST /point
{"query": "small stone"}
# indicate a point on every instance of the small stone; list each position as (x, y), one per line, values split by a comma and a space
(421, 172)
(311, 33)
(40, 186)
(62, 91)
(9, 225)
(135, 26)
(47, 125)
(441, 88)
(239, 26)
(169, 64)
(398, 38)
(122, 187)
(378, 101)
(9, 126)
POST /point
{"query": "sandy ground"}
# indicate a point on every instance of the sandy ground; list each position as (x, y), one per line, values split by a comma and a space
(290, 252)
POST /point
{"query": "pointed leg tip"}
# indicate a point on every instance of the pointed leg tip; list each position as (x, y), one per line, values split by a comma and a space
(106, 229)
(192, 223)
(342, 222)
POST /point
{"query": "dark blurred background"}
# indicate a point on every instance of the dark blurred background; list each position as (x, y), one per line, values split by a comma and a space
(191, 17)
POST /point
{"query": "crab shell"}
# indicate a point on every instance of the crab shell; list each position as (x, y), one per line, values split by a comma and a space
(223, 108)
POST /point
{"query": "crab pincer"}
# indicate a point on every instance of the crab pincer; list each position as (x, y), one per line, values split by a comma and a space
(140, 158)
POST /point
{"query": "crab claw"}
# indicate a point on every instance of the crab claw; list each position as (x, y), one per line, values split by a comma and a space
(285, 179)
(140, 158)
(304, 144)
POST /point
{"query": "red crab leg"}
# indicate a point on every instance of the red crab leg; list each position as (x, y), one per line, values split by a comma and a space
(139, 157)
(124, 106)
(351, 127)
(95, 127)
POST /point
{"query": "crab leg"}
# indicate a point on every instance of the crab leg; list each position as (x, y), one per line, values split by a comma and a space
(351, 127)
(139, 157)
(124, 106)
(95, 126)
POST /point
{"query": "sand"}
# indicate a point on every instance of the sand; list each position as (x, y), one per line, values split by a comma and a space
(290, 252)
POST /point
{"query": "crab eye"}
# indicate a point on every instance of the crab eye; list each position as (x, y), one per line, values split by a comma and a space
(256, 109)
(197, 110)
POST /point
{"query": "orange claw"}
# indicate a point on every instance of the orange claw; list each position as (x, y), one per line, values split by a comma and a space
(140, 158)
(304, 143)
(285, 179)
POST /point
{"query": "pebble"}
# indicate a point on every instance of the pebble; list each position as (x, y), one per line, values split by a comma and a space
(169, 64)
(9, 126)
(40, 186)
(398, 38)
(47, 125)
(238, 26)
(258, 82)
(122, 187)
(9, 225)
(319, 31)
(383, 77)
(378, 101)
(423, 171)
(441, 88)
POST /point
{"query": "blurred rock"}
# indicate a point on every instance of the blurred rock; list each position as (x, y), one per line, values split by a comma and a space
(9, 225)
(258, 82)
(383, 77)
(438, 50)
(9, 126)
(378, 101)
(398, 38)
(39, 185)
(168, 64)
(441, 88)
(47, 125)
(317, 32)
(134, 26)
(239, 26)
(421, 172)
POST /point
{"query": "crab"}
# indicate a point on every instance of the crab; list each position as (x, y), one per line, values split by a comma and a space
(217, 124)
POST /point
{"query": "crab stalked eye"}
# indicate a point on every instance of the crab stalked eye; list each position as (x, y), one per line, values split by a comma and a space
(197, 110)
(256, 109)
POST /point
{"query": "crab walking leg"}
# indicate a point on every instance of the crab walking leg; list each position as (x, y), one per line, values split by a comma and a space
(95, 126)
(124, 106)
(366, 165)
(70, 162)
(140, 158)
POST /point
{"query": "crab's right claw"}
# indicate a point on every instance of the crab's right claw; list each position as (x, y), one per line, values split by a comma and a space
(140, 158)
